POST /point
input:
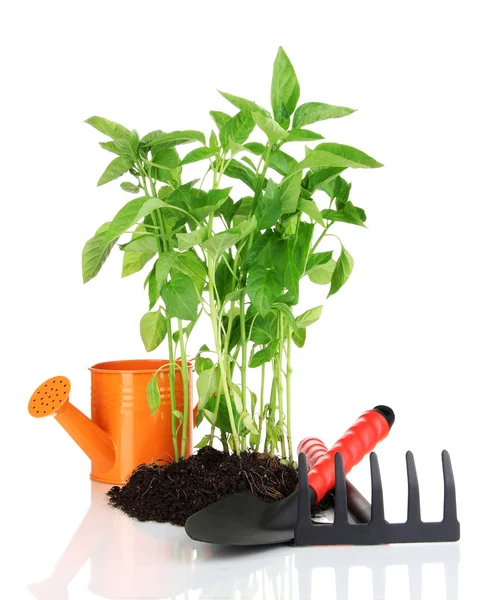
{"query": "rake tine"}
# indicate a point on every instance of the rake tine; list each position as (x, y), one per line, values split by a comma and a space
(449, 500)
(340, 501)
(377, 510)
(413, 503)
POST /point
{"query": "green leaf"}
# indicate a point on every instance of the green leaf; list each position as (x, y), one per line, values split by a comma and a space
(237, 129)
(130, 187)
(263, 287)
(221, 242)
(322, 274)
(247, 420)
(135, 261)
(311, 112)
(339, 189)
(286, 267)
(117, 167)
(290, 192)
(236, 148)
(342, 271)
(190, 264)
(152, 329)
(263, 356)
(349, 214)
(163, 266)
(169, 164)
(285, 89)
(309, 317)
(149, 137)
(219, 118)
(130, 214)
(299, 337)
(255, 148)
(197, 154)
(141, 243)
(272, 130)
(302, 245)
(253, 401)
(236, 397)
(208, 203)
(165, 157)
(182, 196)
(111, 147)
(153, 395)
(281, 162)
(321, 177)
(319, 158)
(238, 171)
(152, 289)
(207, 383)
(319, 258)
(224, 278)
(261, 250)
(310, 208)
(109, 128)
(95, 252)
(202, 364)
(286, 312)
(222, 421)
(263, 330)
(176, 138)
(178, 414)
(249, 162)
(193, 238)
(355, 156)
(302, 135)
(203, 442)
(112, 129)
(268, 209)
(243, 103)
(180, 297)
(213, 141)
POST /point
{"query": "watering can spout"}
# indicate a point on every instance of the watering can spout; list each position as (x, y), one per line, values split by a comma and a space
(52, 398)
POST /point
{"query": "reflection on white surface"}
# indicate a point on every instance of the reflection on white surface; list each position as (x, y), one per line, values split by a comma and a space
(136, 560)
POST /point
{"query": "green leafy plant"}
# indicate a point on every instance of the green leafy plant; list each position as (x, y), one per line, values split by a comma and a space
(235, 255)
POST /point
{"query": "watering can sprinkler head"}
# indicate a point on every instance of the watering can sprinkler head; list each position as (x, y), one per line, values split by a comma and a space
(52, 398)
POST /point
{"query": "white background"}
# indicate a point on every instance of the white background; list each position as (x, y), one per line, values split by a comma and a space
(412, 328)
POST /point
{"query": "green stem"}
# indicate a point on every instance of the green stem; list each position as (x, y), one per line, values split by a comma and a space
(172, 366)
(272, 414)
(224, 441)
(184, 378)
(243, 361)
(261, 417)
(280, 387)
(220, 356)
(216, 411)
(322, 235)
(289, 371)
(172, 386)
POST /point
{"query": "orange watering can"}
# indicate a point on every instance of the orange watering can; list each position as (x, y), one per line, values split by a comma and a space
(122, 434)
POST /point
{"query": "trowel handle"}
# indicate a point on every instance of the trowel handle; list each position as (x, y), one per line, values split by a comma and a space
(372, 427)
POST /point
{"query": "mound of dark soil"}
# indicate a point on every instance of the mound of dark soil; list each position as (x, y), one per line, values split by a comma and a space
(171, 493)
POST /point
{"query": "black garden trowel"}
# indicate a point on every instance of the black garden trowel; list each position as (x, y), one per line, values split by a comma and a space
(245, 520)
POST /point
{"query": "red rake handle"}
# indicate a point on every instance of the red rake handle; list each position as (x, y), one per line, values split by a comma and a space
(372, 427)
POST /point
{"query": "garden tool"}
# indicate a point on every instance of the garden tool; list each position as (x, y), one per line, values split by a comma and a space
(358, 506)
(245, 520)
(122, 433)
(377, 530)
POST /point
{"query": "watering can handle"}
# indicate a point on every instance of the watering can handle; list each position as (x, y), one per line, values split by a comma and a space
(372, 427)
